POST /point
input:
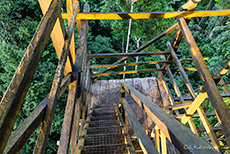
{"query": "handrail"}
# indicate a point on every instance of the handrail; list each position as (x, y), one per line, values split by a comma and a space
(145, 143)
(178, 134)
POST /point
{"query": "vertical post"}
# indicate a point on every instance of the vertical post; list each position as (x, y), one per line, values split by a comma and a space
(163, 143)
(157, 139)
(78, 74)
(122, 111)
(178, 93)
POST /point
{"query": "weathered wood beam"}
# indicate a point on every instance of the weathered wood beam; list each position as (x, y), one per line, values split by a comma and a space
(157, 139)
(178, 93)
(70, 7)
(189, 98)
(79, 65)
(182, 72)
(68, 120)
(113, 55)
(209, 85)
(22, 134)
(165, 85)
(126, 72)
(144, 141)
(52, 99)
(225, 69)
(149, 15)
(127, 138)
(203, 129)
(71, 103)
(142, 70)
(178, 106)
(15, 94)
(57, 34)
(195, 104)
(141, 63)
(173, 129)
(163, 143)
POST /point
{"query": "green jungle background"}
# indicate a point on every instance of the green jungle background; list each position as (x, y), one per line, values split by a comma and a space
(19, 20)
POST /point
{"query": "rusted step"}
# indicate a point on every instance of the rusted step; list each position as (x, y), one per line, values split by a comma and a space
(105, 149)
(104, 139)
(104, 130)
(102, 123)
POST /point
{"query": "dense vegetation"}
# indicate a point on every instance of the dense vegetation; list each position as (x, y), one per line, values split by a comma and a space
(20, 18)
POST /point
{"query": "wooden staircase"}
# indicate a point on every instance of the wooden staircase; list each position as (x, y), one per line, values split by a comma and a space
(104, 132)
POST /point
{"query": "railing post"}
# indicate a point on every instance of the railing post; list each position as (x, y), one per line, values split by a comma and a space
(157, 139)
(121, 109)
(79, 74)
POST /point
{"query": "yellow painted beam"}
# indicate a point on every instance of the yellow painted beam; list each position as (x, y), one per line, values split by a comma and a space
(57, 35)
(148, 15)
(69, 7)
(195, 105)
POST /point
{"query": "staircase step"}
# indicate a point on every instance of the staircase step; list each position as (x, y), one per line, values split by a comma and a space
(106, 117)
(104, 113)
(104, 139)
(101, 123)
(104, 130)
(105, 149)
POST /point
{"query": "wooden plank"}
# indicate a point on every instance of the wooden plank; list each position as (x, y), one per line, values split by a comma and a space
(78, 68)
(225, 69)
(57, 34)
(68, 120)
(22, 134)
(178, 93)
(127, 138)
(203, 129)
(173, 129)
(182, 72)
(149, 15)
(209, 85)
(71, 102)
(126, 72)
(113, 55)
(169, 30)
(144, 141)
(141, 63)
(52, 99)
(165, 85)
(192, 109)
(163, 143)
(157, 139)
(189, 98)
(178, 106)
(70, 8)
(14, 96)
(208, 128)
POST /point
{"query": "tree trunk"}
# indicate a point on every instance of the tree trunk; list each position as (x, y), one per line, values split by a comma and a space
(127, 45)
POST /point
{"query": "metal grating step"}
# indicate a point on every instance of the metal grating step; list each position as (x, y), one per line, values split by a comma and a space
(103, 113)
(105, 149)
(104, 130)
(106, 117)
(104, 139)
(102, 123)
